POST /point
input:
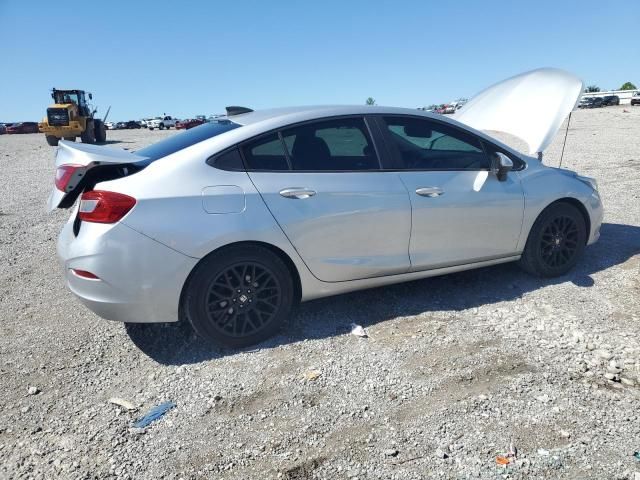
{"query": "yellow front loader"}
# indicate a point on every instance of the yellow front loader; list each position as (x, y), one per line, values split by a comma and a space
(70, 117)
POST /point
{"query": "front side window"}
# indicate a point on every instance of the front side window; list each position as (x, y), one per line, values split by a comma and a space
(341, 144)
(422, 144)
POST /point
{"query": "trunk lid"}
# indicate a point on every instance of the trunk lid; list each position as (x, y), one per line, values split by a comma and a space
(80, 166)
(530, 106)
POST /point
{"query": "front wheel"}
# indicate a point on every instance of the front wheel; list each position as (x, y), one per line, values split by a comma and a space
(239, 296)
(51, 140)
(556, 241)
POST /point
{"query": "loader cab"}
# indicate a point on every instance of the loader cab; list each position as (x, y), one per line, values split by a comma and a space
(75, 97)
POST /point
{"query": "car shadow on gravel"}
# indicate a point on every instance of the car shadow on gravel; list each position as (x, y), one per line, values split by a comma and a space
(177, 344)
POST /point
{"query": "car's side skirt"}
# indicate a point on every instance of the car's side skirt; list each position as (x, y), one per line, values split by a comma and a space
(325, 289)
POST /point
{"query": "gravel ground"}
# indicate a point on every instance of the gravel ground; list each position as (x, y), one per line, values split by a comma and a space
(455, 370)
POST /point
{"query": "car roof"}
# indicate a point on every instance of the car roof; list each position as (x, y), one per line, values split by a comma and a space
(319, 111)
(262, 121)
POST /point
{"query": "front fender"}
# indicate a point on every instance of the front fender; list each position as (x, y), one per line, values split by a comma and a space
(543, 186)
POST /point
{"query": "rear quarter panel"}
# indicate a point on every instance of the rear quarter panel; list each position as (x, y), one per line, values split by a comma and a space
(173, 198)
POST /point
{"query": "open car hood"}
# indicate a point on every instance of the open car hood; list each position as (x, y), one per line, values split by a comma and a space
(530, 106)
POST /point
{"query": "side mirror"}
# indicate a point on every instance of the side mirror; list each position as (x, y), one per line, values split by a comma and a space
(501, 165)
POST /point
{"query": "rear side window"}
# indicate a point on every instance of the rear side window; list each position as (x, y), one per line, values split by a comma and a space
(266, 153)
(341, 144)
(186, 139)
(422, 144)
(229, 160)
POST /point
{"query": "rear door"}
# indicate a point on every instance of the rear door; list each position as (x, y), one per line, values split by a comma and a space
(462, 213)
(323, 183)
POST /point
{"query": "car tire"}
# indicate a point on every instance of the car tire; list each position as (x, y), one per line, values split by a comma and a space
(556, 241)
(52, 141)
(239, 296)
(100, 131)
(162, 126)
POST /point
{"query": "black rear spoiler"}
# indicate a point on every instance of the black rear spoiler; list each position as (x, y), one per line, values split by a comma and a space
(235, 110)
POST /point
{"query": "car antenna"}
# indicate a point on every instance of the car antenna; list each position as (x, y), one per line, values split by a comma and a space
(566, 132)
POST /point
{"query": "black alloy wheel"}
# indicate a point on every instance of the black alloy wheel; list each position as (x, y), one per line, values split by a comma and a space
(239, 295)
(556, 241)
(243, 299)
(559, 242)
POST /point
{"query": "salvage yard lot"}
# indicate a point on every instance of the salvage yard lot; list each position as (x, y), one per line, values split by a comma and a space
(455, 368)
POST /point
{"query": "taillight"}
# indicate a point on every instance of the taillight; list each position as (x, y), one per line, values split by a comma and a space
(99, 206)
(85, 274)
(64, 174)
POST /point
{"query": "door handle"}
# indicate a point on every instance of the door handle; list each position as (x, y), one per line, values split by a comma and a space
(429, 191)
(297, 192)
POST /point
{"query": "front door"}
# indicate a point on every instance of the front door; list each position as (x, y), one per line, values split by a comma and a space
(323, 184)
(461, 212)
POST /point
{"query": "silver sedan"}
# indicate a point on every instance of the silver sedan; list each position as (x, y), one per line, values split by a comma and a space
(230, 224)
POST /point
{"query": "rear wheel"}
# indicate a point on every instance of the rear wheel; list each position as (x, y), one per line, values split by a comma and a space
(239, 296)
(100, 131)
(556, 241)
(162, 126)
(51, 140)
(88, 136)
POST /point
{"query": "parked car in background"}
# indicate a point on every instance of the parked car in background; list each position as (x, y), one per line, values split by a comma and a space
(162, 122)
(22, 127)
(121, 125)
(3, 128)
(132, 124)
(144, 123)
(110, 125)
(584, 101)
(189, 123)
(593, 102)
(608, 100)
(635, 99)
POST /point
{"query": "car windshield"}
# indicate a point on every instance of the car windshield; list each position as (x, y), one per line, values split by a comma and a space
(186, 139)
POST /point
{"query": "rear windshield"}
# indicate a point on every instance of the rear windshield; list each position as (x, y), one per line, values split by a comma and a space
(186, 139)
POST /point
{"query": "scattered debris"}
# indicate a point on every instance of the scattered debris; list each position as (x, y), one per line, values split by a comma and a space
(442, 453)
(154, 414)
(312, 375)
(543, 453)
(391, 452)
(636, 455)
(510, 456)
(33, 391)
(122, 403)
(358, 331)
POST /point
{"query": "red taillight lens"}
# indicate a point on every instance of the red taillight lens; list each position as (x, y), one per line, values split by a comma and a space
(85, 274)
(64, 174)
(104, 207)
